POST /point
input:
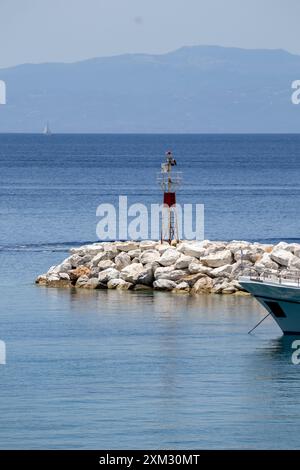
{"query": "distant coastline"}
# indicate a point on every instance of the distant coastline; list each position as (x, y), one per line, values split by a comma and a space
(211, 91)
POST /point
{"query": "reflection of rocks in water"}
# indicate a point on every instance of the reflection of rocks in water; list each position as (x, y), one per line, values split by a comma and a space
(223, 314)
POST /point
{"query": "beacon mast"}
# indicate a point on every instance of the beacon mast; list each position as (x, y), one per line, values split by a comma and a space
(169, 181)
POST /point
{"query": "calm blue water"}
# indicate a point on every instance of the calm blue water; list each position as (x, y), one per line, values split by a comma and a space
(129, 369)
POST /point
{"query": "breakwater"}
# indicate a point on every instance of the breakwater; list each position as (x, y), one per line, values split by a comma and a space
(185, 267)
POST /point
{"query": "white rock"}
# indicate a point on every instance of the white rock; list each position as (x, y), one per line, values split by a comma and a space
(292, 247)
(296, 250)
(64, 267)
(196, 249)
(105, 264)
(111, 250)
(91, 283)
(169, 257)
(222, 271)
(161, 271)
(295, 263)
(81, 281)
(235, 246)
(162, 247)
(76, 260)
(96, 259)
(122, 260)
(52, 277)
(118, 283)
(92, 249)
(281, 246)
(265, 262)
(247, 255)
(86, 259)
(125, 286)
(215, 260)
(134, 253)
(174, 275)
(282, 257)
(219, 286)
(76, 251)
(127, 246)
(149, 256)
(213, 247)
(182, 287)
(183, 262)
(164, 284)
(265, 247)
(147, 245)
(152, 266)
(64, 276)
(131, 272)
(196, 267)
(94, 271)
(103, 256)
(108, 274)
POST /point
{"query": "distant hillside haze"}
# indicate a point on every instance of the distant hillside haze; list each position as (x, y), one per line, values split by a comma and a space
(201, 89)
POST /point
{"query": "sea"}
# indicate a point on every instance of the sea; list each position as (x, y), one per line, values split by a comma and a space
(141, 370)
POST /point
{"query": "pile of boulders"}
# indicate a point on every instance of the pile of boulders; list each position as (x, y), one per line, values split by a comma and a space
(186, 266)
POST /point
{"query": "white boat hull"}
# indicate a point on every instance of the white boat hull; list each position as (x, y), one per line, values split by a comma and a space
(281, 301)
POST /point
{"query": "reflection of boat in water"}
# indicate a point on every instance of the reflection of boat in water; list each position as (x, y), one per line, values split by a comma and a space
(47, 130)
(280, 295)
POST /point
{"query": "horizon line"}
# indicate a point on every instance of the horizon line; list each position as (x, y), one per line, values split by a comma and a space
(147, 133)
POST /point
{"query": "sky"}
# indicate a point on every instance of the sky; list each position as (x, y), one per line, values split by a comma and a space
(70, 30)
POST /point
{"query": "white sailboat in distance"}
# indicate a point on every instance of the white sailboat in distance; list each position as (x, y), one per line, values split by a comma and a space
(47, 130)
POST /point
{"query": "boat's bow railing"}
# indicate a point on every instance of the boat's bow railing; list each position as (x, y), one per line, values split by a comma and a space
(278, 277)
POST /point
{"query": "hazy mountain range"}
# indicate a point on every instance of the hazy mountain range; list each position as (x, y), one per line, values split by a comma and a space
(193, 89)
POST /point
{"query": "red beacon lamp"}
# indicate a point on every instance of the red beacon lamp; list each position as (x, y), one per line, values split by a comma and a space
(169, 181)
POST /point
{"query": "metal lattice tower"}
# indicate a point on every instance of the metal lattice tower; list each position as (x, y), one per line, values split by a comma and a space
(169, 181)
